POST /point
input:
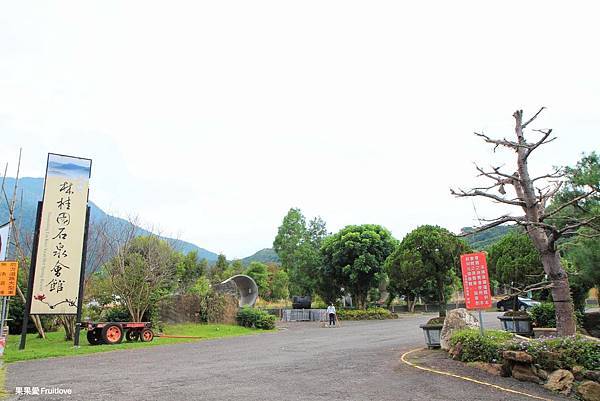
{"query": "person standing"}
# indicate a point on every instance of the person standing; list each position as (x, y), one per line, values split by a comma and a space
(331, 313)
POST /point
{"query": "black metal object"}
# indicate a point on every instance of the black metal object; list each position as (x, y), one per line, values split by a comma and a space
(432, 334)
(81, 279)
(520, 325)
(301, 302)
(27, 309)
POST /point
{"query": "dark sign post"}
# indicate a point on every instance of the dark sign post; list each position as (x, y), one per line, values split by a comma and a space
(476, 283)
(27, 308)
(81, 281)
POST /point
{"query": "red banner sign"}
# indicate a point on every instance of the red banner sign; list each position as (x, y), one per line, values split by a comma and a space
(476, 282)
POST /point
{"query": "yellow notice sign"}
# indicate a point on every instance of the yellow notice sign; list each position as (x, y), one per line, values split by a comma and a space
(60, 243)
(8, 278)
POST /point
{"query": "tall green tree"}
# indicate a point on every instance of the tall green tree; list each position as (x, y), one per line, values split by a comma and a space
(582, 249)
(259, 272)
(217, 272)
(514, 262)
(438, 251)
(408, 276)
(279, 285)
(189, 269)
(297, 244)
(354, 258)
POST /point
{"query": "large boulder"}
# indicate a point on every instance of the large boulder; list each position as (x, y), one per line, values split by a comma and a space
(561, 381)
(517, 356)
(492, 368)
(589, 391)
(524, 373)
(456, 319)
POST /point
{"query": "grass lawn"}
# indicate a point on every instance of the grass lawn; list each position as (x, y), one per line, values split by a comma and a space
(55, 345)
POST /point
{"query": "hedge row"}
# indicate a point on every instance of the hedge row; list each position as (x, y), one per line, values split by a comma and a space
(368, 314)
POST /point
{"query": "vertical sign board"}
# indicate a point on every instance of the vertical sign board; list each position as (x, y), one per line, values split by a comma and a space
(60, 244)
(476, 282)
(8, 279)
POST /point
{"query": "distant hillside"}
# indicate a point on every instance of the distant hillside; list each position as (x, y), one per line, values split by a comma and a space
(264, 256)
(33, 189)
(482, 240)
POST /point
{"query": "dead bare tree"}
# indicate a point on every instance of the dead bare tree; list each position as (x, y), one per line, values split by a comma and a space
(532, 195)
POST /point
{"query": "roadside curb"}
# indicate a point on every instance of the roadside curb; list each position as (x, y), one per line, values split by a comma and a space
(470, 379)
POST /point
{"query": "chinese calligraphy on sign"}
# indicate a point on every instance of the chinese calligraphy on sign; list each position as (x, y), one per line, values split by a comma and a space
(8, 278)
(476, 282)
(62, 229)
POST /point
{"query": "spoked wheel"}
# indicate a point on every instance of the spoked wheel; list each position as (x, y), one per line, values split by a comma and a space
(146, 335)
(132, 335)
(93, 337)
(112, 334)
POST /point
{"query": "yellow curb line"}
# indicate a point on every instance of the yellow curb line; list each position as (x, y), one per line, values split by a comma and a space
(508, 390)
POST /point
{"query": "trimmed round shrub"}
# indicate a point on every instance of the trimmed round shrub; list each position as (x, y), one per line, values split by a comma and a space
(475, 347)
(257, 318)
(544, 315)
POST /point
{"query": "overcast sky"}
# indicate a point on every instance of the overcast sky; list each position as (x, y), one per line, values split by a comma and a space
(210, 120)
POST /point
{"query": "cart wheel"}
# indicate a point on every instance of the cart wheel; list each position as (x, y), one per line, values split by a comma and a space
(93, 338)
(146, 335)
(132, 335)
(112, 334)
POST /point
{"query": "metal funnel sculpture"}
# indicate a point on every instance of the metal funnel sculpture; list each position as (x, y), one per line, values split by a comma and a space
(246, 288)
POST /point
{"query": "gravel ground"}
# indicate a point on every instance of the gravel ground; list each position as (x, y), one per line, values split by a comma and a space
(303, 361)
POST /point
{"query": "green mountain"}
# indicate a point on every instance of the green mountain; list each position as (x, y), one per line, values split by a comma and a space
(264, 256)
(30, 191)
(482, 240)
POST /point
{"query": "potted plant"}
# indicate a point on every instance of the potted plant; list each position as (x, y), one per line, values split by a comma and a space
(518, 322)
(432, 331)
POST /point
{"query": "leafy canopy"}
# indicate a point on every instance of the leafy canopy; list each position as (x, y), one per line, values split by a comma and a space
(354, 258)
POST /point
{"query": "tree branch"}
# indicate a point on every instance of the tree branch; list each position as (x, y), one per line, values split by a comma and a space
(533, 118)
(540, 142)
(476, 192)
(494, 223)
(564, 205)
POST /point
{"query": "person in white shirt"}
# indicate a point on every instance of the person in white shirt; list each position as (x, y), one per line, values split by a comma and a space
(331, 313)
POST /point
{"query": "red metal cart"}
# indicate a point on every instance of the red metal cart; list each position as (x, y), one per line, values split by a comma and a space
(113, 332)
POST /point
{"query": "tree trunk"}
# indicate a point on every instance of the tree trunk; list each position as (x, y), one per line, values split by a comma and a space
(68, 323)
(411, 304)
(441, 298)
(361, 300)
(561, 294)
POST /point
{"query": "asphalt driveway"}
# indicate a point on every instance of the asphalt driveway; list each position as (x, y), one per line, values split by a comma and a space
(303, 361)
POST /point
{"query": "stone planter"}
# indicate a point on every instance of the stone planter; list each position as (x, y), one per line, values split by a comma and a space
(520, 325)
(432, 334)
(541, 332)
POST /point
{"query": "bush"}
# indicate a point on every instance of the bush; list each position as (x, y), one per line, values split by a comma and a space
(544, 315)
(118, 313)
(562, 352)
(368, 314)
(475, 347)
(250, 317)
